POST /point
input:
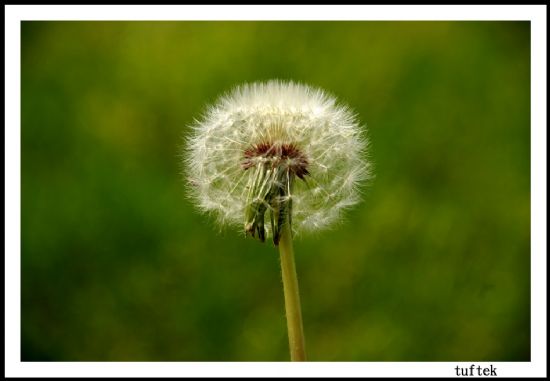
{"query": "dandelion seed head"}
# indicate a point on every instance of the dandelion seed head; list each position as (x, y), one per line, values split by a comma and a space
(277, 124)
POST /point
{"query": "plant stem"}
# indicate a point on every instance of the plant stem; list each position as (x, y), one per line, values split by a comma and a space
(292, 296)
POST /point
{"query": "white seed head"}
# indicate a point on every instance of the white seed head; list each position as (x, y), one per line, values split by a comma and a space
(297, 130)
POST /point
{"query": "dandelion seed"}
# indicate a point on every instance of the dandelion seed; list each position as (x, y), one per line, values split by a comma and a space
(278, 145)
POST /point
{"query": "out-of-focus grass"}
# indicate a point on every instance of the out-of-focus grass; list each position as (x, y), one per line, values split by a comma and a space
(117, 265)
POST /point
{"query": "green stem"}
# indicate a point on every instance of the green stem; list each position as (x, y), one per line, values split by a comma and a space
(292, 296)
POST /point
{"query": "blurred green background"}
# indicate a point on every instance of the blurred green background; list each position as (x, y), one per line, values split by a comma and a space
(433, 265)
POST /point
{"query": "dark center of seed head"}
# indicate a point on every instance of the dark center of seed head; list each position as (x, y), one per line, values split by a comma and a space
(276, 154)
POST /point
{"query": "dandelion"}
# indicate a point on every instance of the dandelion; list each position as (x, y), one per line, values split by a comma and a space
(277, 159)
